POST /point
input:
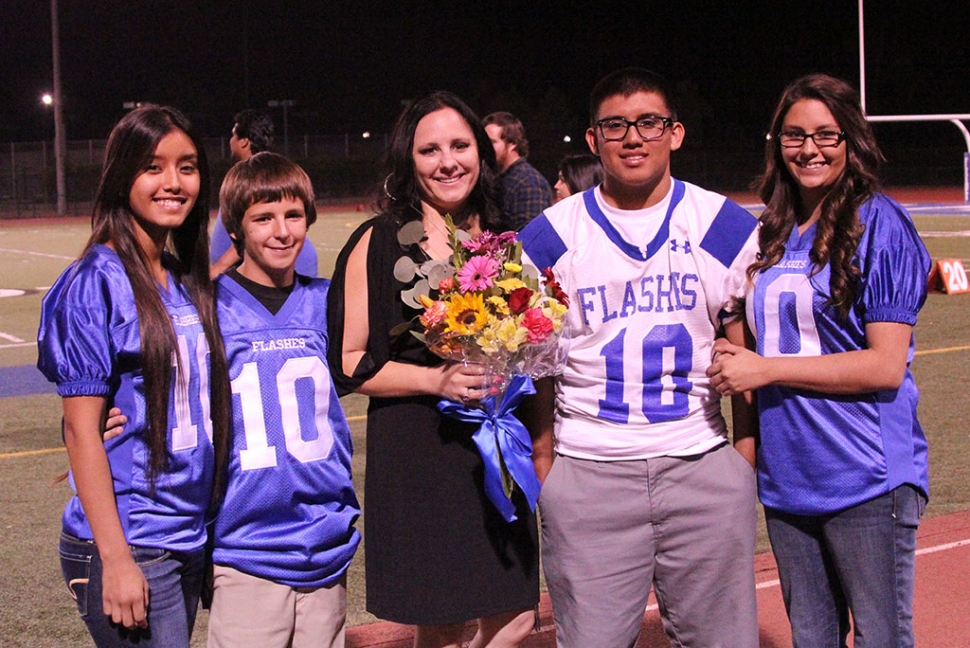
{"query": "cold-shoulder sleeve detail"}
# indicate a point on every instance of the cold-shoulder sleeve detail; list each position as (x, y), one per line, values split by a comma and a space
(382, 297)
(896, 263)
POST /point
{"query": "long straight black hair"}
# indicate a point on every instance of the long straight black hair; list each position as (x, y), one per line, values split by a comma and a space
(131, 146)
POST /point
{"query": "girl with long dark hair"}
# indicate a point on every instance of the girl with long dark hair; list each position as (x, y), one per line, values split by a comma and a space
(132, 324)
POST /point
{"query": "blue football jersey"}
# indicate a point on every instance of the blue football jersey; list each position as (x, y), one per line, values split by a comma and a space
(89, 345)
(290, 508)
(642, 319)
(821, 453)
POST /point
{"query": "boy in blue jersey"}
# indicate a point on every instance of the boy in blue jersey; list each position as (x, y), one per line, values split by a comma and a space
(252, 133)
(651, 265)
(283, 535)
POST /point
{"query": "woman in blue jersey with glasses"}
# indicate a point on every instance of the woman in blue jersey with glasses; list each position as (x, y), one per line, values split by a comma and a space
(834, 295)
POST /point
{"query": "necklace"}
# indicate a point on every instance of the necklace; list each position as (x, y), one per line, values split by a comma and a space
(438, 224)
(436, 238)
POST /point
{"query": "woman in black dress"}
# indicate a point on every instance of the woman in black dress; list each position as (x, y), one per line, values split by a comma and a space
(438, 553)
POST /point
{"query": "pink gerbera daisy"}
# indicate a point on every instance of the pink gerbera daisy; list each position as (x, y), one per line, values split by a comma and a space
(477, 273)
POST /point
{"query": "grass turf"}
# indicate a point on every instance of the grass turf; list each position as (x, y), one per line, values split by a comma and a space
(37, 610)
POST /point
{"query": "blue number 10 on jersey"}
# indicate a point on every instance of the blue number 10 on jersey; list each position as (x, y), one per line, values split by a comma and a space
(643, 317)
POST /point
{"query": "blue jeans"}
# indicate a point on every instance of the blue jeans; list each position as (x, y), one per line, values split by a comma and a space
(861, 559)
(174, 582)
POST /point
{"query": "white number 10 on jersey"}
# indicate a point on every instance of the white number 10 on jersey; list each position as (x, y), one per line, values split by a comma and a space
(258, 452)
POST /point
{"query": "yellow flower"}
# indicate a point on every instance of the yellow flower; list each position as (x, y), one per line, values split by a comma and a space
(511, 335)
(426, 301)
(488, 339)
(466, 314)
(554, 311)
(508, 285)
(512, 267)
(499, 304)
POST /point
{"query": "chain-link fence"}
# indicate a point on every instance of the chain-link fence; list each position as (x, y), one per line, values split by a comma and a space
(340, 166)
(346, 166)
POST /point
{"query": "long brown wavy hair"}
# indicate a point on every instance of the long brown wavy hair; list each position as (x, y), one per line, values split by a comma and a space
(131, 145)
(838, 229)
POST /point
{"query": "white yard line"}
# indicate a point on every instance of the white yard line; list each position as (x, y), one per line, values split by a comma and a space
(40, 254)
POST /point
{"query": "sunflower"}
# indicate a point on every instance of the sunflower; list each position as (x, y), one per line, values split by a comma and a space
(466, 314)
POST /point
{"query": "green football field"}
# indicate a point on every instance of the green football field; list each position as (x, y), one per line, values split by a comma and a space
(35, 608)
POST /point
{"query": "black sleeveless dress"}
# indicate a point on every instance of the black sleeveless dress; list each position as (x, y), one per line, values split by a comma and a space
(437, 550)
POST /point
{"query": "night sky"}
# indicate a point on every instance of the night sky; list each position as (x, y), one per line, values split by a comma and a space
(349, 65)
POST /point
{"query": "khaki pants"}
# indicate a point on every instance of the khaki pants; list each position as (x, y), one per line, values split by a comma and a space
(251, 612)
(685, 525)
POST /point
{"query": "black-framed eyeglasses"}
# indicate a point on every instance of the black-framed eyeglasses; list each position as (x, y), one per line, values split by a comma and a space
(822, 139)
(649, 128)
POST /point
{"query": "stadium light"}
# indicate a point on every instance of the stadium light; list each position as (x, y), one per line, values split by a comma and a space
(47, 99)
(567, 139)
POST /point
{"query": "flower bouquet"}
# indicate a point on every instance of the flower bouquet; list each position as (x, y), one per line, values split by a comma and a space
(485, 306)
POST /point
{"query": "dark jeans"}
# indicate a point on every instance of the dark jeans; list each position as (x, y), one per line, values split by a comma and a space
(174, 581)
(861, 560)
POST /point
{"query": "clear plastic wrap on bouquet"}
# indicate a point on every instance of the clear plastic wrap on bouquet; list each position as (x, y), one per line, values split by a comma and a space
(487, 307)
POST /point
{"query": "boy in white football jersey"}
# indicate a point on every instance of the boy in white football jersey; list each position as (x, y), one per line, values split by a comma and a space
(652, 267)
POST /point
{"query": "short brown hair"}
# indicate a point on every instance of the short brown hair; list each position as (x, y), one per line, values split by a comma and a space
(513, 132)
(265, 177)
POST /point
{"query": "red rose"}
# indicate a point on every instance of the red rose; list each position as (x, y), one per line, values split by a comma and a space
(519, 300)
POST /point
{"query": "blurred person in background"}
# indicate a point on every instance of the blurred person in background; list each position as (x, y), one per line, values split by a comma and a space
(577, 173)
(252, 133)
(525, 192)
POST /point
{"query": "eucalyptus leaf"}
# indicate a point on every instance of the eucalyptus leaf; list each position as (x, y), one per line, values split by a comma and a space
(529, 272)
(428, 266)
(407, 296)
(439, 273)
(422, 288)
(411, 233)
(404, 269)
(462, 235)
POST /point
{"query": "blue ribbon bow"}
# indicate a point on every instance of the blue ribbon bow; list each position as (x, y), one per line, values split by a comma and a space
(504, 444)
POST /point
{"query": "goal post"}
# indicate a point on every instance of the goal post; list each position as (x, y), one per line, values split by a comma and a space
(955, 119)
